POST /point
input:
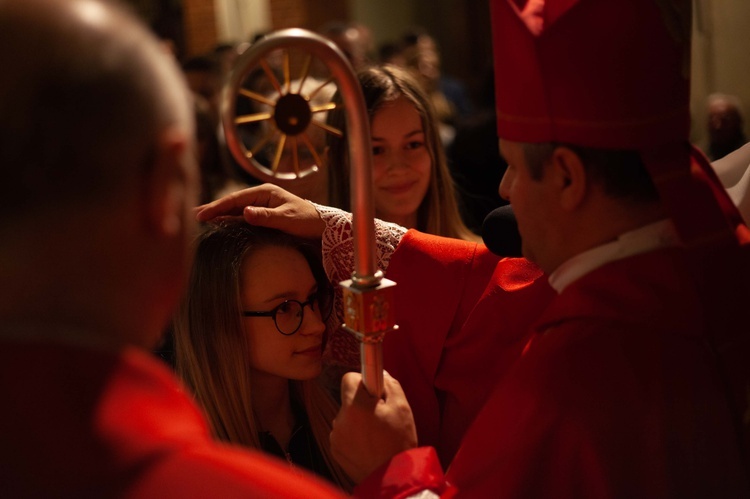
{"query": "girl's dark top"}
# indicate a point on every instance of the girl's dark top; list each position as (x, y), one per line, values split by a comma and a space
(303, 450)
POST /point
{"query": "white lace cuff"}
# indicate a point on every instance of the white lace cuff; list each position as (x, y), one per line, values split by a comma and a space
(338, 261)
(338, 242)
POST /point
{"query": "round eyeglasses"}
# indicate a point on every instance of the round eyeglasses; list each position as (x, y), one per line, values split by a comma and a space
(288, 315)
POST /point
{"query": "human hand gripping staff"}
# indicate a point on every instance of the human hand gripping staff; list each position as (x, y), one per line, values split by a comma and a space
(368, 431)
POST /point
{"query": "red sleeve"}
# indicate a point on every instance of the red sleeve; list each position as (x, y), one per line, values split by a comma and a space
(492, 326)
(464, 315)
(431, 273)
(406, 474)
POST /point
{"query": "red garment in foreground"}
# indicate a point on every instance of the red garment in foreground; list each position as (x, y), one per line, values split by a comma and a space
(464, 316)
(85, 423)
(615, 395)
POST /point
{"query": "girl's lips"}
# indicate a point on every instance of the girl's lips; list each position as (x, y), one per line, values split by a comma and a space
(313, 350)
(399, 188)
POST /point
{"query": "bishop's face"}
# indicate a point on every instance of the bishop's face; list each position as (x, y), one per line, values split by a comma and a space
(532, 205)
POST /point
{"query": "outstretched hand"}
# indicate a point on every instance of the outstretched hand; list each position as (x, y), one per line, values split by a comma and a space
(267, 205)
(368, 431)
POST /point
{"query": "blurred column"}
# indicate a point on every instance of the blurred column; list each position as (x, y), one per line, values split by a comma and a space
(199, 17)
(308, 14)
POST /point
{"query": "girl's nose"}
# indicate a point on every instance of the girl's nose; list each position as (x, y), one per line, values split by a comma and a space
(312, 324)
(397, 162)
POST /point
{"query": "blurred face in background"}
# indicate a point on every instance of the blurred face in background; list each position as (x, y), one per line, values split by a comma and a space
(724, 122)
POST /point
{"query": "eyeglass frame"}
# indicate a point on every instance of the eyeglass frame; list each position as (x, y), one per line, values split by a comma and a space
(329, 292)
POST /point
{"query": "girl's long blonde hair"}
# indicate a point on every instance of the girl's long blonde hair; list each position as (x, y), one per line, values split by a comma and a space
(211, 348)
(438, 213)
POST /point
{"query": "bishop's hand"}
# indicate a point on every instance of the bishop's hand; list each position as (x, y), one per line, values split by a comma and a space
(267, 205)
(369, 431)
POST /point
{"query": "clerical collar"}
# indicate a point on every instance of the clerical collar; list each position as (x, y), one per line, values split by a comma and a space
(642, 240)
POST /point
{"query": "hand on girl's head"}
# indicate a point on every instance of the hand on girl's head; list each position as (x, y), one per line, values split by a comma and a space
(270, 206)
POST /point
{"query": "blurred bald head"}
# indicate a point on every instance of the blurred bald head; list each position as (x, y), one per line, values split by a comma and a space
(97, 176)
(86, 90)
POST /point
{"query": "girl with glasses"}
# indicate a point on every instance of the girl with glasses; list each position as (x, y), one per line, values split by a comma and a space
(249, 337)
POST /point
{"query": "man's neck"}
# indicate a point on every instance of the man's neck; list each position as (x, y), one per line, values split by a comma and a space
(600, 224)
(645, 239)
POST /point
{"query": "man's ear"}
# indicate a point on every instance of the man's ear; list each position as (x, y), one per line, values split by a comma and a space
(167, 184)
(570, 177)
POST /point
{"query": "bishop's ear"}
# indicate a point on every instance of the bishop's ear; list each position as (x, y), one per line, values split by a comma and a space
(570, 177)
(171, 185)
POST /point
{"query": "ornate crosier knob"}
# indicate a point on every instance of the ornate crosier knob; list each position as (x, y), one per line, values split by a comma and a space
(368, 315)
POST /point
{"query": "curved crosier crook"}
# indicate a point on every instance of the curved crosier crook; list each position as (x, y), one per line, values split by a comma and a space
(287, 113)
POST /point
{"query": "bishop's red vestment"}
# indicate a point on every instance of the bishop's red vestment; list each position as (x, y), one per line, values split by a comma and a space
(615, 395)
(464, 316)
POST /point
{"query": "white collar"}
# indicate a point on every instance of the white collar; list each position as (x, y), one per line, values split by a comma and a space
(642, 240)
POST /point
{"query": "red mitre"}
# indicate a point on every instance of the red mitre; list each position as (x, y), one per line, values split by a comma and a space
(610, 74)
(614, 74)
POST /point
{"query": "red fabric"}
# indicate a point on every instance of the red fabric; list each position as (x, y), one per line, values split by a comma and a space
(710, 216)
(610, 74)
(463, 316)
(406, 474)
(617, 395)
(620, 391)
(614, 74)
(718, 244)
(84, 423)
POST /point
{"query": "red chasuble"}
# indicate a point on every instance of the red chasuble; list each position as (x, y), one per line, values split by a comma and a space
(616, 395)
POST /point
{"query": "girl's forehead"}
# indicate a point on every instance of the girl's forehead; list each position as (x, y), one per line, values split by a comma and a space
(401, 112)
(275, 271)
(270, 255)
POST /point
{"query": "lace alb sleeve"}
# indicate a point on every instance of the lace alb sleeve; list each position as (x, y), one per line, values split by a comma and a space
(338, 242)
(338, 260)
